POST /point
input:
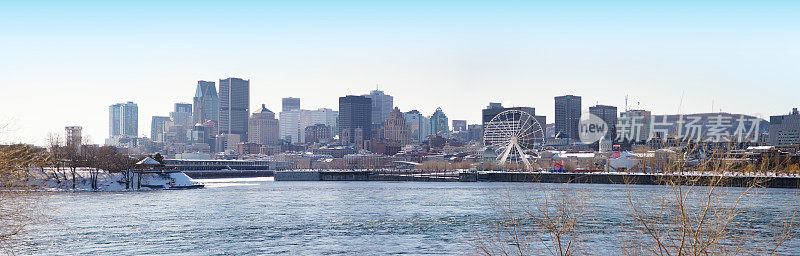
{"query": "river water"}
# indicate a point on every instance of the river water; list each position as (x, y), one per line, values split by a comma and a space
(258, 216)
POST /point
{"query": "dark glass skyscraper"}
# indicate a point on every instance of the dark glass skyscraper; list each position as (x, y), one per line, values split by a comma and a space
(234, 106)
(568, 116)
(289, 104)
(609, 115)
(206, 103)
(355, 119)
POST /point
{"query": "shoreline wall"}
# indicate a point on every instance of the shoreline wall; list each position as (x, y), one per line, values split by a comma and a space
(229, 174)
(595, 178)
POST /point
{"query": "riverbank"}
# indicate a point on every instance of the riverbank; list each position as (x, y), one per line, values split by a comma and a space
(103, 181)
(540, 177)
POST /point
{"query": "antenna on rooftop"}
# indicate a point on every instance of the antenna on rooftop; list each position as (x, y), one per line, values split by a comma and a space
(626, 103)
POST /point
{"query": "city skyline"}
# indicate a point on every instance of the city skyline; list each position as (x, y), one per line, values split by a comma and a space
(669, 59)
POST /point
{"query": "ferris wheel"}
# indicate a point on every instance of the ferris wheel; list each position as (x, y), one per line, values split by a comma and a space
(512, 134)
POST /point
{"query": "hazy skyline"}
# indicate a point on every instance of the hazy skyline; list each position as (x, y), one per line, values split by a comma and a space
(64, 63)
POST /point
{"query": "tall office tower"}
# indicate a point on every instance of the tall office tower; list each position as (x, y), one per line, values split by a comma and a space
(206, 103)
(459, 125)
(785, 129)
(634, 125)
(609, 115)
(158, 128)
(382, 105)
(475, 132)
(182, 115)
(396, 128)
(73, 137)
(439, 124)
(289, 104)
(355, 119)
(123, 119)
(290, 126)
(264, 128)
(234, 106)
(568, 115)
(115, 120)
(418, 125)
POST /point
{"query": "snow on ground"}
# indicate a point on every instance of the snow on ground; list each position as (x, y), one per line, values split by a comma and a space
(49, 179)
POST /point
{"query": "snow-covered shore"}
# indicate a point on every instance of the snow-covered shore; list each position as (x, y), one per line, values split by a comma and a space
(49, 179)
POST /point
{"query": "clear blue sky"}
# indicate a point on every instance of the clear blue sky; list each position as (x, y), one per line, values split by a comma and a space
(63, 62)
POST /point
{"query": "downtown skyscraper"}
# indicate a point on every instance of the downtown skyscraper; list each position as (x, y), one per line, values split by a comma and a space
(568, 116)
(290, 120)
(234, 106)
(439, 123)
(289, 104)
(123, 120)
(382, 105)
(206, 103)
(609, 115)
(355, 119)
(264, 128)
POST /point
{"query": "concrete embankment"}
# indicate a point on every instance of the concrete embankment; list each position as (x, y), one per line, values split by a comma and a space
(363, 176)
(637, 179)
(229, 174)
(594, 178)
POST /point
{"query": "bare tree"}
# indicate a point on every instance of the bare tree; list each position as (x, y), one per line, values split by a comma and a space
(688, 215)
(73, 161)
(536, 226)
(698, 215)
(108, 159)
(89, 156)
(19, 207)
(56, 147)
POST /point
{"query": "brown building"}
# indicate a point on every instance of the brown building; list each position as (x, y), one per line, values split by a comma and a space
(396, 129)
(318, 133)
(248, 148)
(263, 127)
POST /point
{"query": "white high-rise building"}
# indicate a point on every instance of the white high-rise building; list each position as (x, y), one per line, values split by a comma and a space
(290, 125)
(293, 123)
(123, 119)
